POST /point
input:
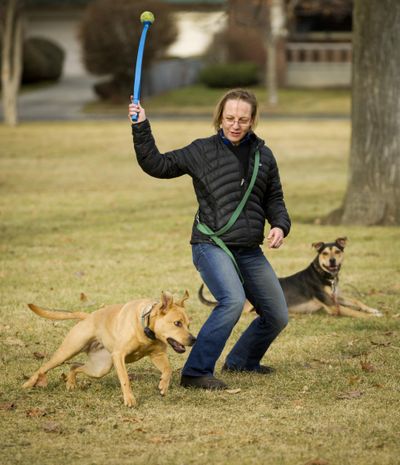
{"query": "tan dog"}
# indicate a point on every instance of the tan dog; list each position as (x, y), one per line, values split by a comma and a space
(119, 334)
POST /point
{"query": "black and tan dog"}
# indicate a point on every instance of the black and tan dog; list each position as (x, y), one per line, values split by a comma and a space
(317, 286)
(119, 334)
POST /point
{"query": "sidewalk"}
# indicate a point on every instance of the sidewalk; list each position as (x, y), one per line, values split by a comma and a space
(63, 100)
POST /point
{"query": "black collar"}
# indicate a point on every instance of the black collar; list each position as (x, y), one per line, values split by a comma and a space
(145, 318)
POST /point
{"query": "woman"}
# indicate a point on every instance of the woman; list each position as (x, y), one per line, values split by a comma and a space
(222, 167)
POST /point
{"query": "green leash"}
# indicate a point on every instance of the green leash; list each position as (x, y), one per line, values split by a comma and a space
(203, 228)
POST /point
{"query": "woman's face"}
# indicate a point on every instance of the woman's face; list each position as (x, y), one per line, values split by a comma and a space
(236, 120)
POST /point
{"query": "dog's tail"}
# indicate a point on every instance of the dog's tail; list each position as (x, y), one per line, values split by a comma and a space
(203, 300)
(57, 314)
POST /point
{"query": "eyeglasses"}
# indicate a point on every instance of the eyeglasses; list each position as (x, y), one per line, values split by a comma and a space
(230, 120)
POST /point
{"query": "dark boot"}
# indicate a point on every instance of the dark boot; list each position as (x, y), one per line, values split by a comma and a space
(261, 369)
(203, 382)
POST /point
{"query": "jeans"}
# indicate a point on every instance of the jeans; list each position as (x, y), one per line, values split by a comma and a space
(261, 287)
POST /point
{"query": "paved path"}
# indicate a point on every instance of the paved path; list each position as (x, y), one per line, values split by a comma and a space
(61, 101)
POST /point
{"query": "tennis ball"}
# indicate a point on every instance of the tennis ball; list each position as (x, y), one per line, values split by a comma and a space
(147, 16)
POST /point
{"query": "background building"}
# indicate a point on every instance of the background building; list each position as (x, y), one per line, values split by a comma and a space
(315, 52)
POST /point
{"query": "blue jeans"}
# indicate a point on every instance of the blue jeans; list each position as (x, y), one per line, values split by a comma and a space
(261, 287)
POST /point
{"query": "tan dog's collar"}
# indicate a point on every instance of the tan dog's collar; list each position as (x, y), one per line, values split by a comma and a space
(145, 318)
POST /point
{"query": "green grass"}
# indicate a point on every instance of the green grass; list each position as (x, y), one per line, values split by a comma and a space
(79, 216)
(200, 100)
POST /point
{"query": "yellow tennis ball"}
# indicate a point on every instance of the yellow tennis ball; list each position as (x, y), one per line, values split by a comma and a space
(147, 16)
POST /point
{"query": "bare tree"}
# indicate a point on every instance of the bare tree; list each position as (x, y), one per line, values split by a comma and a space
(275, 31)
(11, 60)
(373, 190)
(268, 19)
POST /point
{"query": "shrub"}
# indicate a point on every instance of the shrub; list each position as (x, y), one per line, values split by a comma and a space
(42, 60)
(230, 75)
(110, 33)
(236, 45)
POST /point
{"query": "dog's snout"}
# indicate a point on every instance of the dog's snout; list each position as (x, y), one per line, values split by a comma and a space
(332, 261)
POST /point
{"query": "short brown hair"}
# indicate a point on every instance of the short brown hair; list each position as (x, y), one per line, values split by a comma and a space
(236, 94)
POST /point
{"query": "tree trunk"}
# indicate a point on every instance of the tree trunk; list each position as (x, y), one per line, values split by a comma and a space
(373, 191)
(275, 31)
(11, 61)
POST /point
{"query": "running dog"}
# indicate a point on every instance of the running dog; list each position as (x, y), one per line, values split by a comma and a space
(119, 334)
(316, 287)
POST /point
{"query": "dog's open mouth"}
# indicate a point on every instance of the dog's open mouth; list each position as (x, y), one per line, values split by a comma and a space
(176, 345)
(332, 268)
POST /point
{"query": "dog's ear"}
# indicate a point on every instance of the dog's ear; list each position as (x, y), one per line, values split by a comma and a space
(167, 301)
(341, 241)
(317, 245)
(181, 303)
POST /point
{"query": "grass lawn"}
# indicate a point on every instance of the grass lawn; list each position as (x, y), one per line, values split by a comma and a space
(82, 225)
(200, 100)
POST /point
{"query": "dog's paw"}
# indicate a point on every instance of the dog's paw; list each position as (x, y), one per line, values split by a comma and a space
(129, 400)
(42, 380)
(70, 384)
(38, 379)
(30, 383)
(163, 387)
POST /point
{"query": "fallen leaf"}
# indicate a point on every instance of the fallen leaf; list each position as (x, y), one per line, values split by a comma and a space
(38, 355)
(349, 395)
(83, 297)
(317, 462)
(366, 366)
(298, 404)
(233, 391)
(354, 379)
(379, 385)
(131, 420)
(8, 406)
(160, 439)
(140, 430)
(214, 433)
(35, 413)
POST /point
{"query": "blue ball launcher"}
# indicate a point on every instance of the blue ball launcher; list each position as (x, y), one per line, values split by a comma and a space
(147, 19)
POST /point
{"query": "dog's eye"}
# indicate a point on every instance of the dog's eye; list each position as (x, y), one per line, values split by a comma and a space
(337, 252)
(178, 323)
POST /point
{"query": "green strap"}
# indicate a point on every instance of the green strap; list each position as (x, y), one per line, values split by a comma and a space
(203, 228)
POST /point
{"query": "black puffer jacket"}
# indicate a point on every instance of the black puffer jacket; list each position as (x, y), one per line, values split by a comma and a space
(218, 184)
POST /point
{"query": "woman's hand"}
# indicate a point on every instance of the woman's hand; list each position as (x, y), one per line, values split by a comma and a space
(136, 108)
(275, 238)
